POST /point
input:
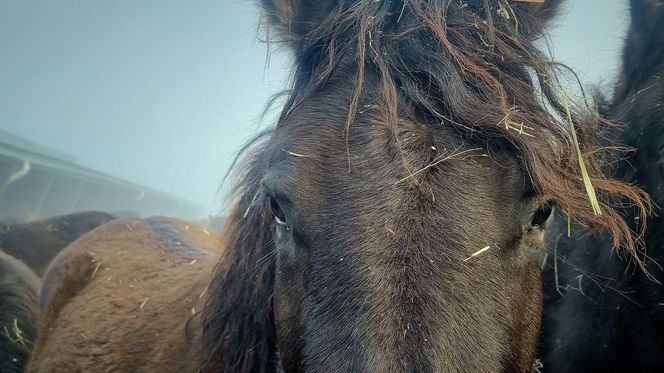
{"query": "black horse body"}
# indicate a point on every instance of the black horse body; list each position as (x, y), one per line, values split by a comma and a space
(602, 312)
(18, 313)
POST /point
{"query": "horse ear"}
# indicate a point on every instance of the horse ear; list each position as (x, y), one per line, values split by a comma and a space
(536, 15)
(238, 326)
(544, 9)
(294, 19)
(647, 14)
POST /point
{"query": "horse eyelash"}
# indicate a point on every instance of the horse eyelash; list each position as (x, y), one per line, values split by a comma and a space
(261, 197)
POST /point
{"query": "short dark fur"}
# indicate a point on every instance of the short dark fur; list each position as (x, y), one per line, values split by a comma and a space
(370, 275)
(610, 319)
(37, 243)
(18, 313)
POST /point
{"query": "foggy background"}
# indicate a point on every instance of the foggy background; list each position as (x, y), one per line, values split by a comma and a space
(162, 93)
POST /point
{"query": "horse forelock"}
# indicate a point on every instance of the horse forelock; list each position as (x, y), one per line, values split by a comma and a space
(477, 66)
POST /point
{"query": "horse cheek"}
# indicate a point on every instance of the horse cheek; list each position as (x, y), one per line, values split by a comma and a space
(290, 289)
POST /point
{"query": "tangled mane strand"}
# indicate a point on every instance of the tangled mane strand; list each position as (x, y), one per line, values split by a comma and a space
(474, 65)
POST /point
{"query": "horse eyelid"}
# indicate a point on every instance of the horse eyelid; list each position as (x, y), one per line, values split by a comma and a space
(281, 222)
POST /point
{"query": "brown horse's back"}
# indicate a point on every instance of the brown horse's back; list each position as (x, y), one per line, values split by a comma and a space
(126, 298)
(18, 313)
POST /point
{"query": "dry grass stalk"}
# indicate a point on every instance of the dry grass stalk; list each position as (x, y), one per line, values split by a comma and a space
(17, 336)
(202, 294)
(478, 252)
(296, 154)
(94, 273)
(437, 162)
(590, 190)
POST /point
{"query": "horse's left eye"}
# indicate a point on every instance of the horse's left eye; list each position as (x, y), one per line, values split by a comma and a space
(279, 216)
(541, 216)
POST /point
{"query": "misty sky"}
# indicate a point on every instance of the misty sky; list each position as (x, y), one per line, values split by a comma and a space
(163, 92)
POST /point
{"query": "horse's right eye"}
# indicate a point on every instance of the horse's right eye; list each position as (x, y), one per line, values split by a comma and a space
(279, 216)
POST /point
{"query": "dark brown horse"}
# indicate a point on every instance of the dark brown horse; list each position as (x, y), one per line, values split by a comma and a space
(18, 313)
(602, 313)
(392, 221)
(37, 243)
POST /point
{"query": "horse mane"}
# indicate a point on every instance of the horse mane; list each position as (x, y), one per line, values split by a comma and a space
(237, 320)
(473, 65)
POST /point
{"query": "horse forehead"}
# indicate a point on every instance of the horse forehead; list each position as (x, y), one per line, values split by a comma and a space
(304, 158)
(309, 151)
(310, 134)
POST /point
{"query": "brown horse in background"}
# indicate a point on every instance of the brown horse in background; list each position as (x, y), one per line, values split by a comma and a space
(392, 221)
(37, 243)
(18, 313)
(132, 281)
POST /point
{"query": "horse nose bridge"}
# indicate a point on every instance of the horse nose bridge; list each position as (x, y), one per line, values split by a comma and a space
(404, 283)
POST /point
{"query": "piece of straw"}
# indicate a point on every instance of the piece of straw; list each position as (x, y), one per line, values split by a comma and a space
(478, 252)
(94, 273)
(590, 190)
(299, 155)
(145, 301)
(569, 224)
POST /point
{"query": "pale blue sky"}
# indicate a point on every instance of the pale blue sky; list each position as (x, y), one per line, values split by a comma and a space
(163, 92)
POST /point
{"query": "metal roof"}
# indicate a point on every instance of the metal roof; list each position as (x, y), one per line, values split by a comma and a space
(57, 162)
